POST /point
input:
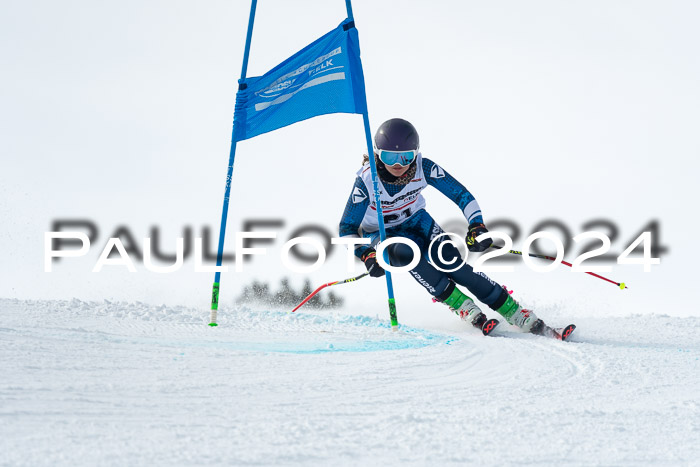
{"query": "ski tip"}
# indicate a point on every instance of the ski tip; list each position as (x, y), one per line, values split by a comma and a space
(566, 332)
(489, 326)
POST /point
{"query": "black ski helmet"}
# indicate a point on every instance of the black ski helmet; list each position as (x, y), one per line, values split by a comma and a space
(396, 135)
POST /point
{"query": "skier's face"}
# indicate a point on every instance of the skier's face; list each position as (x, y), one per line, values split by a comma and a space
(397, 169)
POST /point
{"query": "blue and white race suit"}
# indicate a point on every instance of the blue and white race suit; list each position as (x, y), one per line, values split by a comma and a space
(405, 216)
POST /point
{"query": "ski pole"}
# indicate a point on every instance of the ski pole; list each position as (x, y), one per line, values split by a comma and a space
(514, 252)
(352, 279)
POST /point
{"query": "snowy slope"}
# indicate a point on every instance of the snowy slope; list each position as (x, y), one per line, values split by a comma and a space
(87, 383)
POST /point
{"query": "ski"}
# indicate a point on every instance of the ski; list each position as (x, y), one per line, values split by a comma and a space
(487, 327)
(562, 334)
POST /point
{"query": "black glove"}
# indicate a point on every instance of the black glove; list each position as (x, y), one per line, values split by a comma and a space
(474, 231)
(373, 267)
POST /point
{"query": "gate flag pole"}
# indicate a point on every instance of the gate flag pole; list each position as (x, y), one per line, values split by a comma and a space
(229, 174)
(375, 185)
(322, 78)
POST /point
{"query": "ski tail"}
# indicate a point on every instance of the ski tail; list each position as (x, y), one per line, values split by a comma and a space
(566, 331)
(562, 334)
(488, 326)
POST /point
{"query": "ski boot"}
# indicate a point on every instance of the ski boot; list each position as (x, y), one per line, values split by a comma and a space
(469, 311)
(517, 315)
(529, 322)
(465, 308)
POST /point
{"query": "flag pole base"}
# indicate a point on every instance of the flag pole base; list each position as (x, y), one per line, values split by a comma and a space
(392, 315)
(214, 304)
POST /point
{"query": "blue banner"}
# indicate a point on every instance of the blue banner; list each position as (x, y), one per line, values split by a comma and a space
(324, 77)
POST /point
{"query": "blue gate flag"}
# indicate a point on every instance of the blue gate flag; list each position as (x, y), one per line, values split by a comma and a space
(324, 77)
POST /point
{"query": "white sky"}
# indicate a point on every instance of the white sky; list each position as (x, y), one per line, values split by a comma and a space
(121, 113)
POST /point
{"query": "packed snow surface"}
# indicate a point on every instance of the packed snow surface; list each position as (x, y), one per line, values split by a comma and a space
(88, 383)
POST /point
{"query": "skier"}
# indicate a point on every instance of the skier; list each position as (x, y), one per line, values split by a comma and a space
(403, 173)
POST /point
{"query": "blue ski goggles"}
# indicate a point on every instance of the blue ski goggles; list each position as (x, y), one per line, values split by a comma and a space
(403, 158)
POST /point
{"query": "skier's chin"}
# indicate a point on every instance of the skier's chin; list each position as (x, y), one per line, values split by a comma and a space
(397, 172)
